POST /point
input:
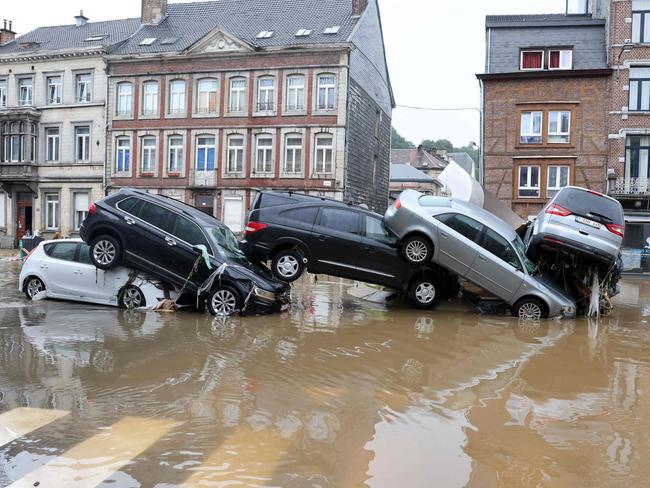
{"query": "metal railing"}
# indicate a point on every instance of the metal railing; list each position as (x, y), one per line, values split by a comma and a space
(632, 186)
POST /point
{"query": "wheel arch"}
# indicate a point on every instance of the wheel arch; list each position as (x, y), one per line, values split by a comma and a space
(290, 244)
(23, 287)
(105, 230)
(536, 297)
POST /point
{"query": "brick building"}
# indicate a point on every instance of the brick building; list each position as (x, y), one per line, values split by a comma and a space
(210, 100)
(544, 123)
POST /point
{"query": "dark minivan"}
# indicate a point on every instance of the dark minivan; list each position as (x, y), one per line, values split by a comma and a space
(159, 235)
(299, 232)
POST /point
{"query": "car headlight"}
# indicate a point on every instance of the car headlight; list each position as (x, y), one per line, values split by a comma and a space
(264, 294)
(568, 310)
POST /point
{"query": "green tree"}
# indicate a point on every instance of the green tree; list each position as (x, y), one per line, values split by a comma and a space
(399, 142)
(439, 145)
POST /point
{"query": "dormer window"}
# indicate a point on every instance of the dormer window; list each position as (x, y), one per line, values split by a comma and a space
(551, 59)
(148, 41)
(560, 59)
(265, 35)
(532, 60)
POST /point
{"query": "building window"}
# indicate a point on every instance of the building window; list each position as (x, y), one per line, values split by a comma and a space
(237, 95)
(641, 21)
(639, 89)
(148, 155)
(293, 154)
(25, 92)
(84, 87)
(150, 98)
(637, 158)
(266, 94)
(124, 99)
(296, 92)
(324, 151)
(235, 163)
(3, 210)
(123, 155)
(54, 88)
(81, 202)
(82, 143)
(205, 153)
(558, 178)
(531, 128)
(3, 93)
(177, 97)
(51, 211)
(264, 154)
(529, 182)
(53, 142)
(326, 92)
(175, 156)
(559, 127)
(560, 59)
(531, 60)
(207, 96)
(16, 148)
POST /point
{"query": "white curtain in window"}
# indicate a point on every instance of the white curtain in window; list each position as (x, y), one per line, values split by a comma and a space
(81, 202)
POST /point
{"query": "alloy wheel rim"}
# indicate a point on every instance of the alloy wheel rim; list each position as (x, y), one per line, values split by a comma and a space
(425, 293)
(34, 287)
(287, 266)
(416, 251)
(224, 302)
(104, 252)
(530, 311)
(132, 298)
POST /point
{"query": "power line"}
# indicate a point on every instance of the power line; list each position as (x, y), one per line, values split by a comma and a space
(440, 109)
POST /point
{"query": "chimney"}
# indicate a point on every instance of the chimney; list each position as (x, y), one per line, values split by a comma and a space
(6, 34)
(153, 11)
(81, 19)
(358, 6)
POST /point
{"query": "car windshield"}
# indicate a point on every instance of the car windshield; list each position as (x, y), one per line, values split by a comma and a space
(227, 243)
(520, 248)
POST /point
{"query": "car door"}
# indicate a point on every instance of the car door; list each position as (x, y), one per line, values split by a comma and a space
(457, 241)
(93, 284)
(336, 244)
(61, 270)
(380, 261)
(187, 234)
(497, 267)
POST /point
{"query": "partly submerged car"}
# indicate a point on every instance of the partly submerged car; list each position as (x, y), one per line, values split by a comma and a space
(174, 242)
(477, 246)
(62, 269)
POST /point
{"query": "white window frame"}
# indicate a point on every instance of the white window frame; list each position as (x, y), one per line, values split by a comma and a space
(528, 186)
(52, 208)
(52, 144)
(237, 151)
(149, 155)
(82, 143)
(79, 91)
(25, 85)
(290, 161)
(528, 132)
(124, 100)
(561, 51)
(125, 152)
(329, 90)
(79, 215)
(566, 134)
(177, 98)
(3, 92)
(175, 153)
(557, 187)
(203, 97)
(238, 94)
(295, 94)
(521, 59)
(206, 148)
(321, 151)
(266, 94)
(264, 160)
(641, 21)
(3, 210)
(150, 99)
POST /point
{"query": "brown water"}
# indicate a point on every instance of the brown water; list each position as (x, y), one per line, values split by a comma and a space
(337, 392)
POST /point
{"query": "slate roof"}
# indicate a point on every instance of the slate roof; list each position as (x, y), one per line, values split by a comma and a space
(245, 19)
(407, 173)
(70, 37)
(418, 158)
(464, 160)
(541, 20)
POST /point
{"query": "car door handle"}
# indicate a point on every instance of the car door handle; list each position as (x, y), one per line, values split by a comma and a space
(443, 234)
(129, 220)
(322, 238)
(482, 258)
(43, 266)
(170, 241)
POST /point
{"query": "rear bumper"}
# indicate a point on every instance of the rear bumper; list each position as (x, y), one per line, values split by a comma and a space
(255, 251)
(555, 243)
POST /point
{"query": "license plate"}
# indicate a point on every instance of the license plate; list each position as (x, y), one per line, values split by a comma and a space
(588, 222)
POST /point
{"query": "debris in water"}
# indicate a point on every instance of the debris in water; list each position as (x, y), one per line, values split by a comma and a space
(594, 299)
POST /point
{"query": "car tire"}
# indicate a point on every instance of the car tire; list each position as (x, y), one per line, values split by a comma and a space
(529, 309)
(132, 297)
(287, 265)
(105, 252)
(424, 293)
(33, 286)
(417, 250)
(224, 300)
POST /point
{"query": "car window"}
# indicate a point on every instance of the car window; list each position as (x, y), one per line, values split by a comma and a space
(84, 254)
(303, 215)
(63, 250)
(376, 230)
(156, 216)
(340, 220)
(129, 205)
(465, 226)
(270, 200)
(189, 232)
(497, 245)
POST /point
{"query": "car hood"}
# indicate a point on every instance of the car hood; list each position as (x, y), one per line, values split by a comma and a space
(259, 275)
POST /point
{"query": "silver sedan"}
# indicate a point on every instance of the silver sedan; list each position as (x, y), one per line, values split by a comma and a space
(477, 246)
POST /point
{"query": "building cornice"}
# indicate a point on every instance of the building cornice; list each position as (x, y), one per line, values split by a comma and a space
(528, 75)
(50, 55)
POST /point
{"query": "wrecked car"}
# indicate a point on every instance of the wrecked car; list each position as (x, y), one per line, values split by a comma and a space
(299, 233)
(183, 246)
(577, 238)
(477, 246)
(62, 269)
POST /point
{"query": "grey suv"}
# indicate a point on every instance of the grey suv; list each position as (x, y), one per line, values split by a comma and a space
(476, 245)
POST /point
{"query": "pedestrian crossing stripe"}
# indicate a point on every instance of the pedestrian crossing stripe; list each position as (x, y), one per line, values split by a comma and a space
(21, 421)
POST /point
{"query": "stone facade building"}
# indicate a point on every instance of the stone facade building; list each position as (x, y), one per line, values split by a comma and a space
(210, 101)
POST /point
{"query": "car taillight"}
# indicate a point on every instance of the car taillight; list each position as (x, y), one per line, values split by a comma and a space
(92, 209)
(398, 204)
(254, 227)
(619, 230)
(555, 209)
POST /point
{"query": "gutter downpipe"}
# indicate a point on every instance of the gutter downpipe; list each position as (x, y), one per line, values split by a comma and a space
(481, 149)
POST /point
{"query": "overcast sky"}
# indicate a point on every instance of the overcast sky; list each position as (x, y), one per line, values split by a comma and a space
(434, 49)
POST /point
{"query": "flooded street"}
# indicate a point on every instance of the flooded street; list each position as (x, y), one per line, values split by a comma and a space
(337, 392)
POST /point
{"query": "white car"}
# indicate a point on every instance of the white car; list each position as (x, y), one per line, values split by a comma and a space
(63, 270)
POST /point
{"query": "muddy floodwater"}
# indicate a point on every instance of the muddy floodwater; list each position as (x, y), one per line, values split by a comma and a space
(337, 392)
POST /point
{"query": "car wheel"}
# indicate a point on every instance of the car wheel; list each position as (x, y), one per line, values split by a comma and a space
(132, 297)
(287, 265)
(33, 287)
(529, 309)
(424, 293)
(224, 300)
(417, 250)
(105, 252)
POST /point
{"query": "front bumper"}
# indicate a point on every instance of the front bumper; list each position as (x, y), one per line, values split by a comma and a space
(265, 305)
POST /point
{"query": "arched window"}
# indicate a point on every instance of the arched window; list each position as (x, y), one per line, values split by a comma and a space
(177, 97)
(175, 154)
(205, 153)
(237, 95)
(124, 99)
(266, 94)
(326, 91)
(323, 153)
(207, 96)
(148, 162)
(150, 101)
(235, 156)
(264, 153)
(293, 144)
(295, 92)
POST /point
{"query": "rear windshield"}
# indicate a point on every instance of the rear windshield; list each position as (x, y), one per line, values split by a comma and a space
(596, 207)
(265, 200)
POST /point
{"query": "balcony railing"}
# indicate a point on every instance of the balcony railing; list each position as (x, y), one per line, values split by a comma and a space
(632, 186)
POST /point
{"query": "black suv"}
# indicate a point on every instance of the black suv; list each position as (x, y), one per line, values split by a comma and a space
(159, 235)
(299, 232)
